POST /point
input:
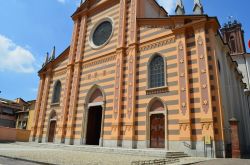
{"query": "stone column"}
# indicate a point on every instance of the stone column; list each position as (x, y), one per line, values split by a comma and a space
(129, 132)
(235, 138)
(75, 84)
(205, 85)
(72, 105)
(42, 113)
(37, 108)
(61, 128)
(62, 125)
(184, 97)
(115, 134)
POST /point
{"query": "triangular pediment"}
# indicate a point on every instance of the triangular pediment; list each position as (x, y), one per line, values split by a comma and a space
(57, 61)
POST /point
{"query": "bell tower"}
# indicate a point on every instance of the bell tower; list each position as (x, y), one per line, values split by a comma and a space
(233, 34)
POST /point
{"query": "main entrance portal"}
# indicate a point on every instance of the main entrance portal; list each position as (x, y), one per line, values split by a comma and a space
(94, 125)
(157, 131)
(52, 127)
(52, 130)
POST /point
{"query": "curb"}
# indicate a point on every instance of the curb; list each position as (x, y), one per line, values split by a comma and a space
(27, 160)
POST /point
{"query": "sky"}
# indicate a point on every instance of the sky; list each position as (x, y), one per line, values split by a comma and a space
(30, 28)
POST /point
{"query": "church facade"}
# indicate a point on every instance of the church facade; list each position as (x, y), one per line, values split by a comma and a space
(135, 77)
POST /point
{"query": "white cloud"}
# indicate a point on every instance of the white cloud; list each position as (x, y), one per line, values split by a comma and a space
(14, 57)
(61, 1)
(169, 5)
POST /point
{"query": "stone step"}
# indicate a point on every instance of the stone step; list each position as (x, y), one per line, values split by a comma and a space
(88, 148)
(176, 155)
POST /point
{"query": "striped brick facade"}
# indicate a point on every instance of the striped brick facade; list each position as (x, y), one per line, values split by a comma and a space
(191, 95)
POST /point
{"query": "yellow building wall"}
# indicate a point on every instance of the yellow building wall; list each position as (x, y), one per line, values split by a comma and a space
(30, 119)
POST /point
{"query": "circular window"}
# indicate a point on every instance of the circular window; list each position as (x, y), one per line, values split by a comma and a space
(101, 33)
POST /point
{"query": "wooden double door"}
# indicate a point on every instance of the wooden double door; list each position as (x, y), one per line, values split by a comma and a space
(52, 131)
(157, 131)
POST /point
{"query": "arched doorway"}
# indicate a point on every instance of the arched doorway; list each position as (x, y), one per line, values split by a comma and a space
(94, 117)
(157, 124)
(52, 127)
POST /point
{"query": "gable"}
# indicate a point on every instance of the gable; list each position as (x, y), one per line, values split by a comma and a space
(59, 63)
(93, 21)
(151, 9)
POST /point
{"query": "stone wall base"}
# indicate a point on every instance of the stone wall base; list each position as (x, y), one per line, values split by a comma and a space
(128, 143)
(77, 142)
(69, 141)
(111, 143)
(195, 149)
(32, 139)
(58, 141)
(142, 144)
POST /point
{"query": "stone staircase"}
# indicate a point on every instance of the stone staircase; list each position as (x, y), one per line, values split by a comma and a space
(175, 155)
(87, 148)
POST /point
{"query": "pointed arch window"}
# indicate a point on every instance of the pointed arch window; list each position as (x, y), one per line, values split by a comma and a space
(156, 72)
(233, 44)
(57, 92)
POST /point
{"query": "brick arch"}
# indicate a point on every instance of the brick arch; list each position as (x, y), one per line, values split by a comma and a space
(53, 115)
(96, 96)
(157, 105)
(95, 99)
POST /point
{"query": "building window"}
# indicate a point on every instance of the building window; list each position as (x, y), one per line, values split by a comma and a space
(101, 33)
(156, 72)
(57, 92)
(232, 43)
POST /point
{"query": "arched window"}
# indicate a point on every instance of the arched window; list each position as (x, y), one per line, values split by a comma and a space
(156, 72)
(57, 92)
(232, 43)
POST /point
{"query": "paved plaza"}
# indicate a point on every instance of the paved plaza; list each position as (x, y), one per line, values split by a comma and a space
(8, 161)
(64, 156)
(226, 162)
(57, 155)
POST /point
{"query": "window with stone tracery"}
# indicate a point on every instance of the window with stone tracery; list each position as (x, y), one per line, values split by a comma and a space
(156, 72)
(57, 92)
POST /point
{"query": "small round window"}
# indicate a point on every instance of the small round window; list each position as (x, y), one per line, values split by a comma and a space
(101, 33)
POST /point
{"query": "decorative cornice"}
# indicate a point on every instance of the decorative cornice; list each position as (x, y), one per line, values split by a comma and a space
(157, 90)
(153, 45)
(99, 61)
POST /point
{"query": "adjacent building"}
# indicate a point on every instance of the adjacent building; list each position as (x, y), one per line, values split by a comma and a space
(16, 113)
(233, 35)
(8, 111)
(136, 77)
(26, 115)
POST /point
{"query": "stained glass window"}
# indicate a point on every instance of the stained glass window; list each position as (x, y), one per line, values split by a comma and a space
(102, 33)
(57, 92)
(156, 72)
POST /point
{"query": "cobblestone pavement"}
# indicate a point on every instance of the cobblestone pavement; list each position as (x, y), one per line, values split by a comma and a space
(62, 156)
(226, 162)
